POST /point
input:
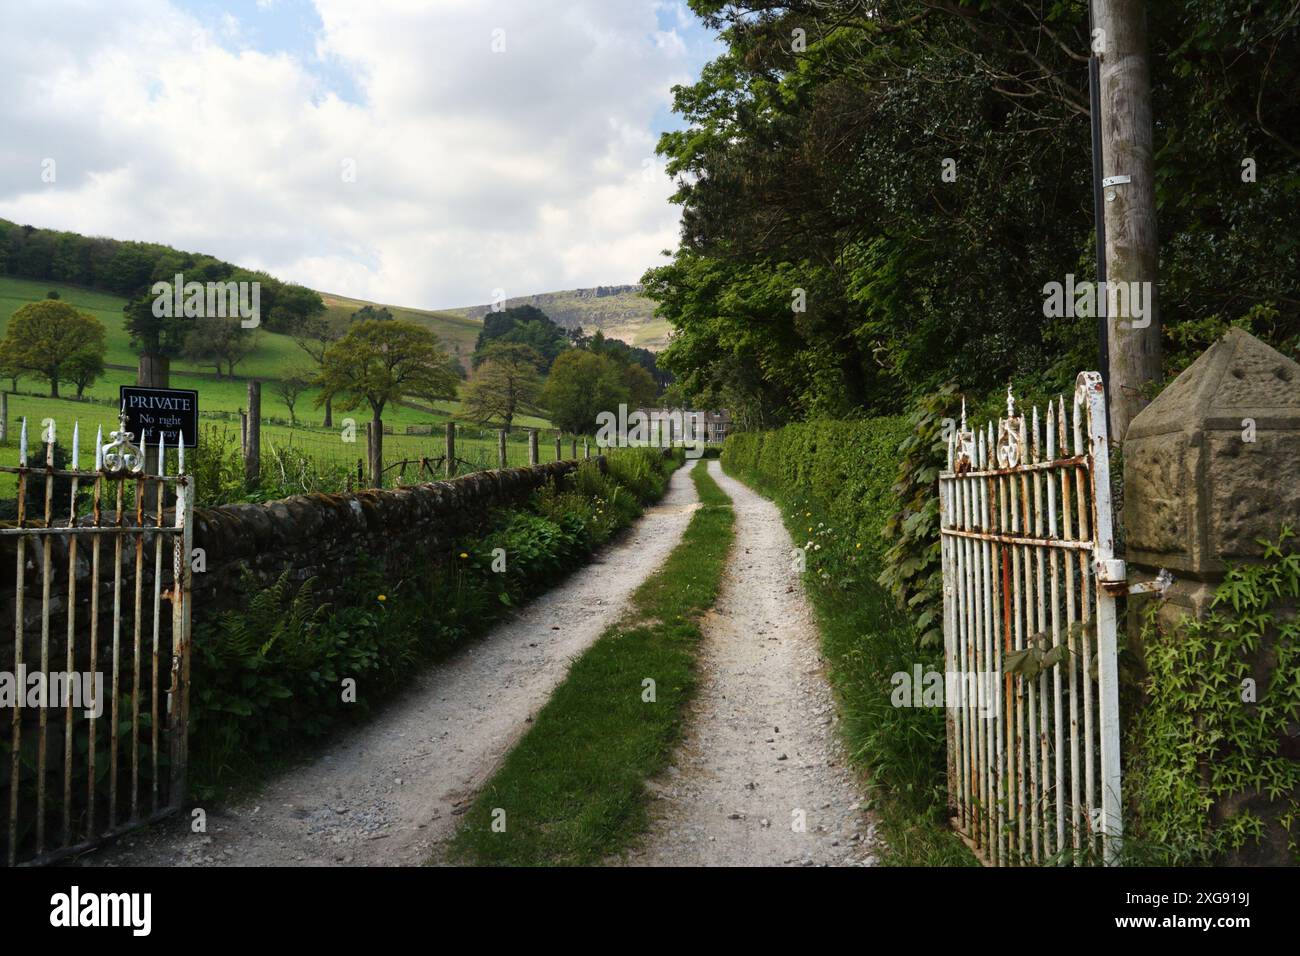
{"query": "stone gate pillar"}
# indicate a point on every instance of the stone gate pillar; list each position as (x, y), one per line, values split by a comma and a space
(1211, 467)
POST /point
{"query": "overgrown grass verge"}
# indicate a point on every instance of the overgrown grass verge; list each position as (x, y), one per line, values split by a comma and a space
(866, 639)
(573, 789)
(269, 677)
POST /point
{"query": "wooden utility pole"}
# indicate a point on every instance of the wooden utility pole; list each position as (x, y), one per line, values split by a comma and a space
(532, 446)
(501, 448)
(153, 371)
(451, 449)
(1132, 250)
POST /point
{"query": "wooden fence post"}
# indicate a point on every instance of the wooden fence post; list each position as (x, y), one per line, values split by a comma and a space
(501, 448)
(375, 452)
(559, 446)
(451, 449)
(573, 448)
(586, 448)
(4, 416)
(533, 455)
(253, 436)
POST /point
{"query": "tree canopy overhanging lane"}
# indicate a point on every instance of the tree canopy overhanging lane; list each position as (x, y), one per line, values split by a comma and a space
(874, 196)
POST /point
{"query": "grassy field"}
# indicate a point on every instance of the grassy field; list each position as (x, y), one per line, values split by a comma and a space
(573, 789)
(275, 356)
(220, 400)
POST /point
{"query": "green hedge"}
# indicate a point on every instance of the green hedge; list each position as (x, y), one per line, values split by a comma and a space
(852, 465)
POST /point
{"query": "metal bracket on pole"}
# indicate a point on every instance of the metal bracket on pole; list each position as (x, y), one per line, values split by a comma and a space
(1116, 180)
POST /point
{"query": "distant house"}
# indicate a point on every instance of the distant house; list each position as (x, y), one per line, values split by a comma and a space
(690, 424)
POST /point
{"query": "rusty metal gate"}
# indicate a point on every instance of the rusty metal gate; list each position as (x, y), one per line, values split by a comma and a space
(1029, 633)
(97, 674)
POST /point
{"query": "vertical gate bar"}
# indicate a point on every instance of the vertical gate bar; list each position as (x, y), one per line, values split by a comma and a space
(985, 727)
(1057, 704)
(97, 495)
(44, 713)
(1005, 701)
(15, 764)
(980, 583)
(136, 647)
(181, 632)
(979, 775)
(1023, 610)
(947, 571)
(1086, 616)
(1040, 725)
(1012, 706)
(949, 630)
(1093, 402)
(975, 734)
(117, 653)
(1071, 618)
(988, 643)
(968, 663)
(72, 645)
(959, 634)
(975, 657)
(160, 502)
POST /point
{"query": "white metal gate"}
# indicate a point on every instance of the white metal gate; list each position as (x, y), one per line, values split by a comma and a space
(86, 760)
(1029, 634)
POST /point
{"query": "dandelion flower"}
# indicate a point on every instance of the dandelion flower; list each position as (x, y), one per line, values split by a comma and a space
(463, 555)
(383, 597)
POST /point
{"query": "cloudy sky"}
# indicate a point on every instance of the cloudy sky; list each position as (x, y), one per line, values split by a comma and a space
(419, 152)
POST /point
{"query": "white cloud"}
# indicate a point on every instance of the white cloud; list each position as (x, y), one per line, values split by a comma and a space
(474, 170)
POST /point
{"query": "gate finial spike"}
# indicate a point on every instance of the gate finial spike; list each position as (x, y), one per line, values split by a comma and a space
(99, 448)
(963, 413)
(76, 440)
(1011, 402)
(162, 453)
(180, 454)
(22, 444)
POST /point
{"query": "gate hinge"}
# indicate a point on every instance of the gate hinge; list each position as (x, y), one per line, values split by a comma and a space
(1112, 575)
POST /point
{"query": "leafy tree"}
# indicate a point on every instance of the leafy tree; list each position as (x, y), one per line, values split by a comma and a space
(294, 306)
(380, 362)
(827, 267)
(290, 388)
(9, 370)
(580, 386)
(43, 337)
(505, 381)
(314, 335)
(368, 313)
(84, 367)
(522, 325)
(154, 334)
(214, 340)
(641, 387)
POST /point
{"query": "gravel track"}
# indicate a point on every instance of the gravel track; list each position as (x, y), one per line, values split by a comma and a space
(760, 778)
(389, 793)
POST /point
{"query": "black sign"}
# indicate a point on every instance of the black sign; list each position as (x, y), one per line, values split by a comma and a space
(169, 412)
